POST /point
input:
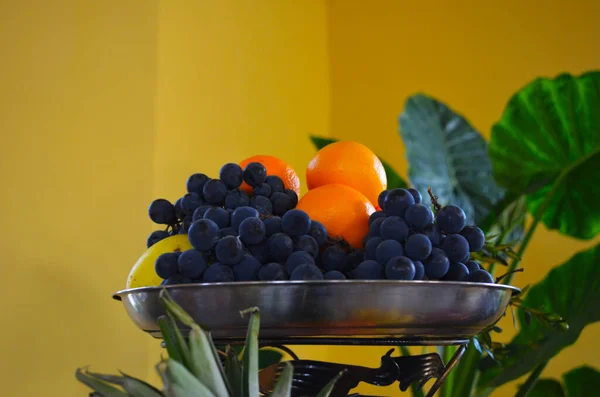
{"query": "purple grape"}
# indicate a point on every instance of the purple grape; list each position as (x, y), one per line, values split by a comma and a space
(400, 268)
(416, 195)
(295, 223)
(456, 247)
(388, 249)
(203, 234)
(334, 275)
(232, 175)
(418, 216)
(333, 258)
(247, 269)
(436, 266)
(419, 270)
(229, 250)
(263, 190)
(472, 266)
(397, 201)
(218, 273)
(191, 264)
(236, 198)
(280, 246)
(418, 247)
(433, 232)
(262, 204)
(481, 276)
(166, 265)
(307, 272)
(196, 182)
(376, 215)
(456, 272)
(272, 272)
(155, 237)
(394, 228)
(241, 213)
(369, 270)
(293, 197)
(255, 174)
(381, 198)
(451, 219)
(252, 231)
(218, 215)
(474, 236)
(272, 225)
(306, 243)
(214, 191)
(371, 247)
(161, 211)
(281, 203)
(275, 183)
(296, 259)
(318, 232)
(200, 211)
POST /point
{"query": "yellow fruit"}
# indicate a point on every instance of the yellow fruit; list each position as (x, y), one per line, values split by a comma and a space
(142, 274)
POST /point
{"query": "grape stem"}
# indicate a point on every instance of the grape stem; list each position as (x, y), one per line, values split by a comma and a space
(499, 278)
(434, 200)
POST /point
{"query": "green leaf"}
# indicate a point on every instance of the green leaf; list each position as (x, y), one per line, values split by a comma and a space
(326, 392)
(138, 388)
(394, 181)
(572, 291)
(233, 370)
(283, 387)
(167, 330)
(100, 386)
(182, 383)
(250, 359)
(204, 365)
(268, 357)
(547, 388)
(547, 144)
(510, 225)
(582, 382)
(446, 153)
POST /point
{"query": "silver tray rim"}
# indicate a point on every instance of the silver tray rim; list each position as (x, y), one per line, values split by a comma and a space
(515, 291)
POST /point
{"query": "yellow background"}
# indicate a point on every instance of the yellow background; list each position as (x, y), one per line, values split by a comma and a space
(106, 105)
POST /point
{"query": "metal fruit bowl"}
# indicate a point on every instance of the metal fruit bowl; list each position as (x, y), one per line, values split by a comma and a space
(413, 310)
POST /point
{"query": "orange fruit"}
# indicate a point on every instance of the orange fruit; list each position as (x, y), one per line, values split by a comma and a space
(348, 163)
(344, 211)
(274, 166)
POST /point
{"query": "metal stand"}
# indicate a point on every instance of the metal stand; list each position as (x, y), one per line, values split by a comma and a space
(310, 376)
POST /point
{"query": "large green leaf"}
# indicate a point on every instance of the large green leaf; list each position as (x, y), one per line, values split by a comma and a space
(547, 145)
(446, 153)
(580, 382)
(547, 388)
(394, 180)
(571, 290)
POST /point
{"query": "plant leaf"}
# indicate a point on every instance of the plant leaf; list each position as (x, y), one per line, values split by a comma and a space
(571, 291)
(268, 357)
(167, 330)
(510, 225)
(250, 358)
(233, 369)
(547, 388)
(283, 387)
(446, 153)
(582, 382)
(204, 365)
(550, 133)
(182, 383)
(326, 392)
(138, 388)
(99, 386)
(394, 180)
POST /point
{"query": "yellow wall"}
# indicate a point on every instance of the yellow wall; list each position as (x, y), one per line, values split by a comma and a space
(234, 81)
(106, 105)
(472, 55)
(77, 97)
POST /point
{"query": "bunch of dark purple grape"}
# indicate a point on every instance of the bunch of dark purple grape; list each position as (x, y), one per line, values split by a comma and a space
(236, 236)
(406, 241)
